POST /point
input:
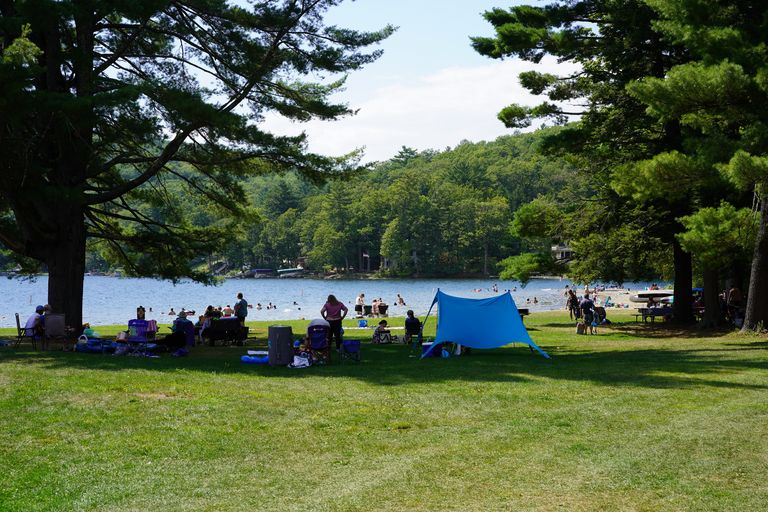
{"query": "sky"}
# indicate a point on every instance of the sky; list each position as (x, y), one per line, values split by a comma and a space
(429, 90)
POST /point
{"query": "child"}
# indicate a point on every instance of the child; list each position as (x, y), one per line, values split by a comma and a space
(381, 333)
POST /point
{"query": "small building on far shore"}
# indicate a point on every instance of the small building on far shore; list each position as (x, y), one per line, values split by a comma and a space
(561, 253)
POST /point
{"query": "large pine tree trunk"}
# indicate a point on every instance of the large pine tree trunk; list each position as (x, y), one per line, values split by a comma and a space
(757, 296)
(682, 308)
(712, 315)
(66, 269)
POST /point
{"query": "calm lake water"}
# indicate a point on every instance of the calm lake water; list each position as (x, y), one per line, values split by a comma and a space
(112, 300)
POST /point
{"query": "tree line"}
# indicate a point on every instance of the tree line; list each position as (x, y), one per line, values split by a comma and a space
(420, 213)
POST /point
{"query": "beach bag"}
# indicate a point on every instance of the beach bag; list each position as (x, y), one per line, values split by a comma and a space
(302, 360)
(581, 328)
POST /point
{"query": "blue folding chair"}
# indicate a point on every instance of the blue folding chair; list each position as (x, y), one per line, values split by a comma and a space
(350, 350)
(319, 343)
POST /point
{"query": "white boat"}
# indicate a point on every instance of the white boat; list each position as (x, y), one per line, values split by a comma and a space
(290, 272)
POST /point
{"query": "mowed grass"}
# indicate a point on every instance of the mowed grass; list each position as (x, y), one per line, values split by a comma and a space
(634, 418)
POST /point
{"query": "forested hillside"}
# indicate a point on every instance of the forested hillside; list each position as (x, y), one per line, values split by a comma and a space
(420, 213)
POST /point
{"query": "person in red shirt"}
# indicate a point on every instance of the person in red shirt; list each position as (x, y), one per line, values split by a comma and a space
(333, 312)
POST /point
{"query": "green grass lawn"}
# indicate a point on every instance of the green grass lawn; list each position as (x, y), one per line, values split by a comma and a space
(634, 418)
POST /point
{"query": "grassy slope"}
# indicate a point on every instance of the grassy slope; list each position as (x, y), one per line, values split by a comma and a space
(632, 419)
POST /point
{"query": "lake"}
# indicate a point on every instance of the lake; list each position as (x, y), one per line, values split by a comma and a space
(113, 300)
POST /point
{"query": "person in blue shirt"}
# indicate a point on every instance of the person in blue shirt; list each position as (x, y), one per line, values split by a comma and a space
(241, 308)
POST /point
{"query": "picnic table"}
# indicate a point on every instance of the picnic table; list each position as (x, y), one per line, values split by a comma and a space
(652, 313)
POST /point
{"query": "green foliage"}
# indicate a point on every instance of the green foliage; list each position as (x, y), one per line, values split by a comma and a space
(719, 236)
(746, 170)
(136, 125)
(622, 254)
(523, 267)
(541, 218)
(22, 51)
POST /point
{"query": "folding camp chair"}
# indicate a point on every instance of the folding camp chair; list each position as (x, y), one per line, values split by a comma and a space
(350, 350)
(319, 343)
(22, 334)
(55, 329)
(137, 339)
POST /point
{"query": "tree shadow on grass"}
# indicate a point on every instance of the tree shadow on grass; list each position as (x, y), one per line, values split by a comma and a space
(390, 365)
(651, 330)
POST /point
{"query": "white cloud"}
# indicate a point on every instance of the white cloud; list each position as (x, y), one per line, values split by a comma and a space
(427, 112)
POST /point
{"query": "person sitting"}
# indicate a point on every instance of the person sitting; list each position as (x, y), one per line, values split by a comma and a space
(382, 334)
(180, 336)
(412, 326)
(375, 306)
(34, 326)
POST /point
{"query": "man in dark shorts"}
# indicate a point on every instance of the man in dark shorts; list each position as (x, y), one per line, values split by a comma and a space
(587, 308)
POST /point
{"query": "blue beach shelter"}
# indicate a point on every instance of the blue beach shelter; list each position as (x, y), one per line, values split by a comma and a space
(479, 323)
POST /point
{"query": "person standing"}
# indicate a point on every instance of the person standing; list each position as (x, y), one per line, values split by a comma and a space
(588, 311)
(359, 305)
(734, 303)
(241, 308)
(334, 311)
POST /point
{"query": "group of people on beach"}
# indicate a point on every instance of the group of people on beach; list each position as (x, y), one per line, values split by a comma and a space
(378, 306)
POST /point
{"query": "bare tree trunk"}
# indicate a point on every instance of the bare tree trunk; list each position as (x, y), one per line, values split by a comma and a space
(682, 308)
(66, 269)
(712, 315)
(757, 297)
(485, 259)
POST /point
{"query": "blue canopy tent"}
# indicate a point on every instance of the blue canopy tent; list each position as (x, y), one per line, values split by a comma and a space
(479, 323)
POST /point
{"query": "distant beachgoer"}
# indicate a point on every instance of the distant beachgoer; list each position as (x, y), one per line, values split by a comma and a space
(535, 300)
(172, 313)
(359, 304)
(334, 311)
(528, 300)
(573, 305)
(400, 300)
